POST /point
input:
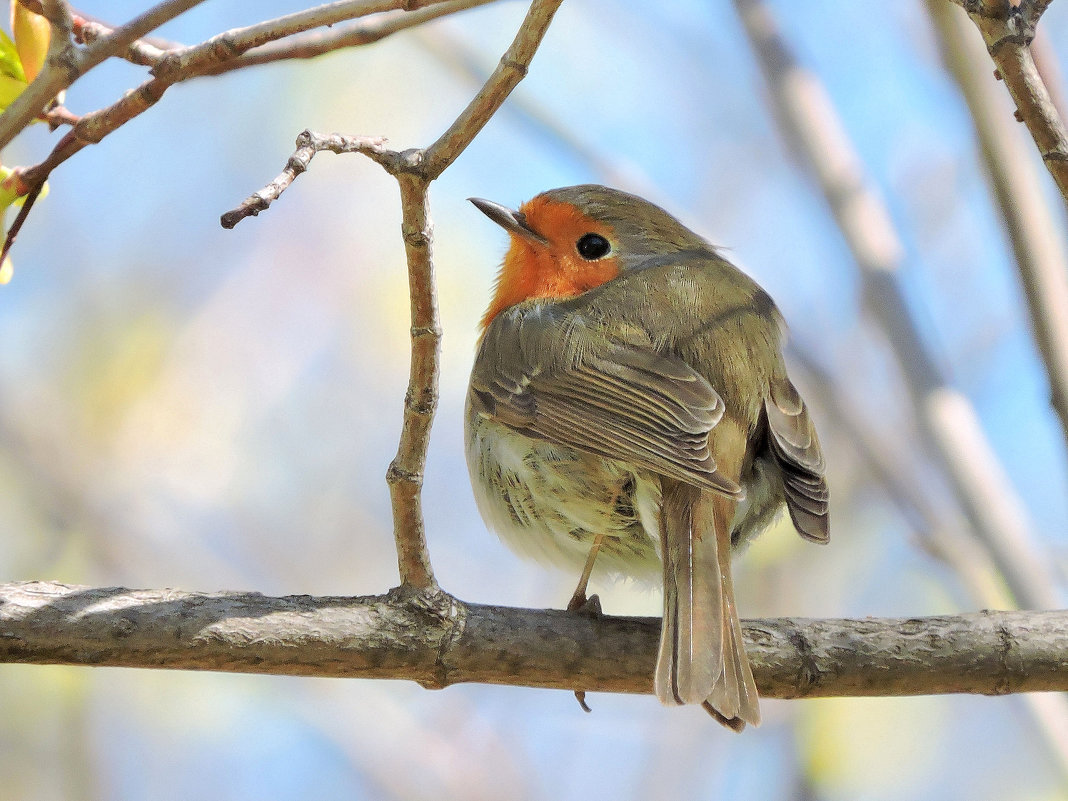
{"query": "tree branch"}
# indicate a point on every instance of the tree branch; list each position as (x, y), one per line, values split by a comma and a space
(360, 32)
(414, 170)
(174, 66)
(509, 72)
(308, 144)
(437, 641)
(1008, 30)
(63, 68)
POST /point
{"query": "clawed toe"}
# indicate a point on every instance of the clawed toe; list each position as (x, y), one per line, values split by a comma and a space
(587, 607)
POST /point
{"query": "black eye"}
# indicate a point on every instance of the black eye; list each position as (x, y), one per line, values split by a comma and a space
(592, 246)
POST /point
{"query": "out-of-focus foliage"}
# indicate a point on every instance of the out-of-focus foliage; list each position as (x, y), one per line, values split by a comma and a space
(186, 406)
(32, 33)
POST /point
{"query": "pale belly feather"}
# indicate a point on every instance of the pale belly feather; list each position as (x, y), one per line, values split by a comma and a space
(547, 502)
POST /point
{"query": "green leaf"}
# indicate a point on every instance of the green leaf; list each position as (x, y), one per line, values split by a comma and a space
(10, 63)
(10, 88)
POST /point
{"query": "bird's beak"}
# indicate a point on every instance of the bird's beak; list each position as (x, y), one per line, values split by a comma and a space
(514, 222)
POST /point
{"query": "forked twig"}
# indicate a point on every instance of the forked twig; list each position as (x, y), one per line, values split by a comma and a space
(414, 170)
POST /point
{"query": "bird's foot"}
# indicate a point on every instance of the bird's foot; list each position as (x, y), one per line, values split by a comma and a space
(587, 607)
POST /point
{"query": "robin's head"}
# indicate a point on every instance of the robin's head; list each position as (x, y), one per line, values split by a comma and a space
(567, 241)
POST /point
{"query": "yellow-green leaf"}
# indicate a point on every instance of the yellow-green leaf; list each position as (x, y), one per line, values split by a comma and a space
(10, 63)
(10, 88)
(32, 33)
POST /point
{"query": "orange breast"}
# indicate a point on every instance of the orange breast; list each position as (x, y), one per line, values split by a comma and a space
(556, 270)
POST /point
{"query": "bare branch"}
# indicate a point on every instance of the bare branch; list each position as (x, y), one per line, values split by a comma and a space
(185, 63)
(140, 52)
(405, 473)
(60, 72)
(1037, 241)
(414, 170)
(510, 71)
(308, 144)
(179, 65)
(437, 641)
(361, 32)
(1008, 30)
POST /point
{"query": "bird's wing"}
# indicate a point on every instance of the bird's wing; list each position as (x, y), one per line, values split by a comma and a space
(617, 400)
(793, 442)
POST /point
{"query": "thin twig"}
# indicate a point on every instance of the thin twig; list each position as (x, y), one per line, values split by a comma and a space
(354, 34)
(87, 30)
(443, 641)
(19, 221)
(58, 116)
(140, 52)
(414, 170)
(1007, 31)
(308, 144)
(509, 72)
(415, 173)
(180, 65)
(405, 473)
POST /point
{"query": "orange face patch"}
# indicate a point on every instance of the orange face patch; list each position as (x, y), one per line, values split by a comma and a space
(556, 270)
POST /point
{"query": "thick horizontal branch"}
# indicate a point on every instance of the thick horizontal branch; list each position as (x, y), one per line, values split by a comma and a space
(437, 640)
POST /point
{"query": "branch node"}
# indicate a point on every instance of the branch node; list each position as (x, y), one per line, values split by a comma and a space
(419, 331)
(418, 237)
(168, 65)
(398, 475)
(423, 402)
(1003, 681)
(808, 672)
(517, 66)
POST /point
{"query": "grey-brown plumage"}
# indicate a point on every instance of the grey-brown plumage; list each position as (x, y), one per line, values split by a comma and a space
(652, 407)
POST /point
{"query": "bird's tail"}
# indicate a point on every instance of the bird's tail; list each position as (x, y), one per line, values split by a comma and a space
(702, 657)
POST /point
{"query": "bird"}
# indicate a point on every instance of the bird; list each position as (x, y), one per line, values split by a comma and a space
(629, 406)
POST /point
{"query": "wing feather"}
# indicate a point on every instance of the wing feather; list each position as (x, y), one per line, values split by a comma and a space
(620, 400)
(796, 449)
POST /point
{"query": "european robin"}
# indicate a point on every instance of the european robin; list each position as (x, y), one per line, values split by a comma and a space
(629, 405)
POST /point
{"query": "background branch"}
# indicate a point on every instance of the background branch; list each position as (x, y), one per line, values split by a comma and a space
(810, 123)
(1008, 30)
(437, 640)
(1037, 240)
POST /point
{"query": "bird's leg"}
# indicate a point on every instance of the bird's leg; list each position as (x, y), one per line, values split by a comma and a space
(579, 602)
(590, 607)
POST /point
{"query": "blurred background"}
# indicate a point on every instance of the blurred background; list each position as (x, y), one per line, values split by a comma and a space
(184, 406)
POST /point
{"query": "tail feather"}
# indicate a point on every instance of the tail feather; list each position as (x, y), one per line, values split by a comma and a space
(702, 657)
(691, 639)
